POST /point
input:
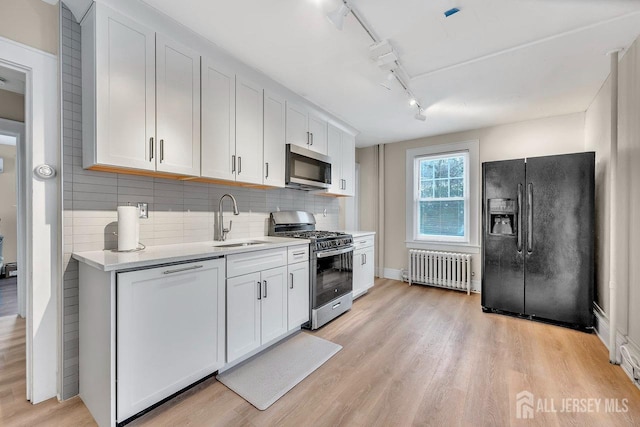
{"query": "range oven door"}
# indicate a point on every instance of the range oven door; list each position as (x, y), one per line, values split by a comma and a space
(333, 275)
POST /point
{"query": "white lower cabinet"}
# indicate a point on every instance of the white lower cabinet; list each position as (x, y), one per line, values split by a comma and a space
(256, 310)
(298, 290)
(170, 331)
(363, 265)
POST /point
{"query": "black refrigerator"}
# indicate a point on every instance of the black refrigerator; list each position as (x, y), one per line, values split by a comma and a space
(538, 238)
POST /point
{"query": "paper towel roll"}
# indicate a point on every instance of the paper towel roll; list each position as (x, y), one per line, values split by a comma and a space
(128, 228)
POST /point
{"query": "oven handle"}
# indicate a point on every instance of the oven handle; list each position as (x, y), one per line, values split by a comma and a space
(327, 254)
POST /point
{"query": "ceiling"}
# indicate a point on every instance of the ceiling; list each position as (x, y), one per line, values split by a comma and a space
(14, 80)
(495, 62)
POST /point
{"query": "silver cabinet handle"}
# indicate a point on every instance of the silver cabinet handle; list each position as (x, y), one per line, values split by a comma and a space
(239, 165)
(151, 149)
(365, 258)
(259, 290)
(267, 172)
(336, 305)
(308, 138)
(161, 150)
(530, 218)
(361, 259)
(298, 253)
(233, 163)
(519, 241)
(362, 241)
(179, 270)
(265, 289)
(311, 138)
(291, 274)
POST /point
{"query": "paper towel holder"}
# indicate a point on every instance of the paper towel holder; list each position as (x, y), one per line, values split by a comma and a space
(140, 247)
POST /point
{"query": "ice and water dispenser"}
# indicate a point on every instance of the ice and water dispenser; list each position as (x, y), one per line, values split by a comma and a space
(502, 217)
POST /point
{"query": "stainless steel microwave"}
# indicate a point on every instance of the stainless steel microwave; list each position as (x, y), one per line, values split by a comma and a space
(306, 169)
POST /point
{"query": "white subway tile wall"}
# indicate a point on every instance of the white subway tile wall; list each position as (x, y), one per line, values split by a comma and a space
(179, 212)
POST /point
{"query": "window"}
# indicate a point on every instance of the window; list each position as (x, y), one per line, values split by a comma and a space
(442, 196)
(441, 200)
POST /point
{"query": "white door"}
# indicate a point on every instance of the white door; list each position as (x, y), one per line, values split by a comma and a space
(178, 108)
(335, 154)
(243, 315)
(170, 331)
(274, 139)
(125, 92)
(218, 121)
(274, 303)
(298, 300)
(297, 125)
(348, 164)
(358, 273)
(318, 131)
(368, 267)
(249, 131)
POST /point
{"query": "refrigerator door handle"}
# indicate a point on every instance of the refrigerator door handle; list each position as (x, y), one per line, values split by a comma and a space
(519, 247)
(530, 217)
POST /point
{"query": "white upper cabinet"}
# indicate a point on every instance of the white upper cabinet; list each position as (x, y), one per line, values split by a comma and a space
(218, 121)
(178, 108)
(141, 97)
(317, 134)
(297, 125)
(343, 161)
(118, 97)
(249, 131)
(306, 129)
(274, 139)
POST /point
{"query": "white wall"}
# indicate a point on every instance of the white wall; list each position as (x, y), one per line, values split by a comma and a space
(11, 106)
(8, 219)
(627, 210)
(553, 135)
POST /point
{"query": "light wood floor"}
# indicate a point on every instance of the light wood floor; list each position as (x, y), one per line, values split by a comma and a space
(411, 356)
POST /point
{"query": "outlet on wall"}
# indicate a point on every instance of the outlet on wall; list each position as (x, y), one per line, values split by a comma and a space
(143, 210)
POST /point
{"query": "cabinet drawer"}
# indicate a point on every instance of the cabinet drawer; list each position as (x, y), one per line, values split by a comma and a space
(298, 254)
(251, 262)
(363, 241)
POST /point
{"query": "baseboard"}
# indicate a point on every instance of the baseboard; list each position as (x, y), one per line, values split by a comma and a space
(392, 273)
(603, 332)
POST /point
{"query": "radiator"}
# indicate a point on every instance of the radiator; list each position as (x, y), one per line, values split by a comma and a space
(443, 269)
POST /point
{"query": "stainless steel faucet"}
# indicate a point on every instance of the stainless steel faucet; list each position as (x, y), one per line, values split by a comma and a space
(222, 232)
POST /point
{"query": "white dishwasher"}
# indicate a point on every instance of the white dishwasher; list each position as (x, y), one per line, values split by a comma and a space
(170, 331)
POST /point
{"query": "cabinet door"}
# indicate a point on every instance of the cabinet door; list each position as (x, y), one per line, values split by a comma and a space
(243, 315)
(125, 92)
(368, 270)
(178, 108)
(335, 153)
(274, 303)
(249, 131)
(297, 125)
(218, 121)
(274, 139)
(359, 286)
(348, 164)
(170, 331)
(298, 300)
(318, 130)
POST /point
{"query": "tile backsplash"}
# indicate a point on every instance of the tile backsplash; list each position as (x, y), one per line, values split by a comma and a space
(179, 211)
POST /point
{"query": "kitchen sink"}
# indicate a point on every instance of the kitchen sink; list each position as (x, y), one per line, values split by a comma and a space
(240, 244)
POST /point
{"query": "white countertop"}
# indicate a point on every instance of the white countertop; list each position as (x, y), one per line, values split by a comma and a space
(109, 260)
(358, 233)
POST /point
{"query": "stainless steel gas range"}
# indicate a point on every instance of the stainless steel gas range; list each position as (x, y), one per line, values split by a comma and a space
(331, 270)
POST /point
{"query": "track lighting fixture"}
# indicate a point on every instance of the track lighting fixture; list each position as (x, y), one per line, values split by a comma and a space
(412, 102)
(337, 16)
(420, 115)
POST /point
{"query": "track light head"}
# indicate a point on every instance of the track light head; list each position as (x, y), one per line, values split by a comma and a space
(337, 16)
(412, 102)
(420, 115)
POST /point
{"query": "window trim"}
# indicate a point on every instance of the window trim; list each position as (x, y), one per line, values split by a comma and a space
(472, 176)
